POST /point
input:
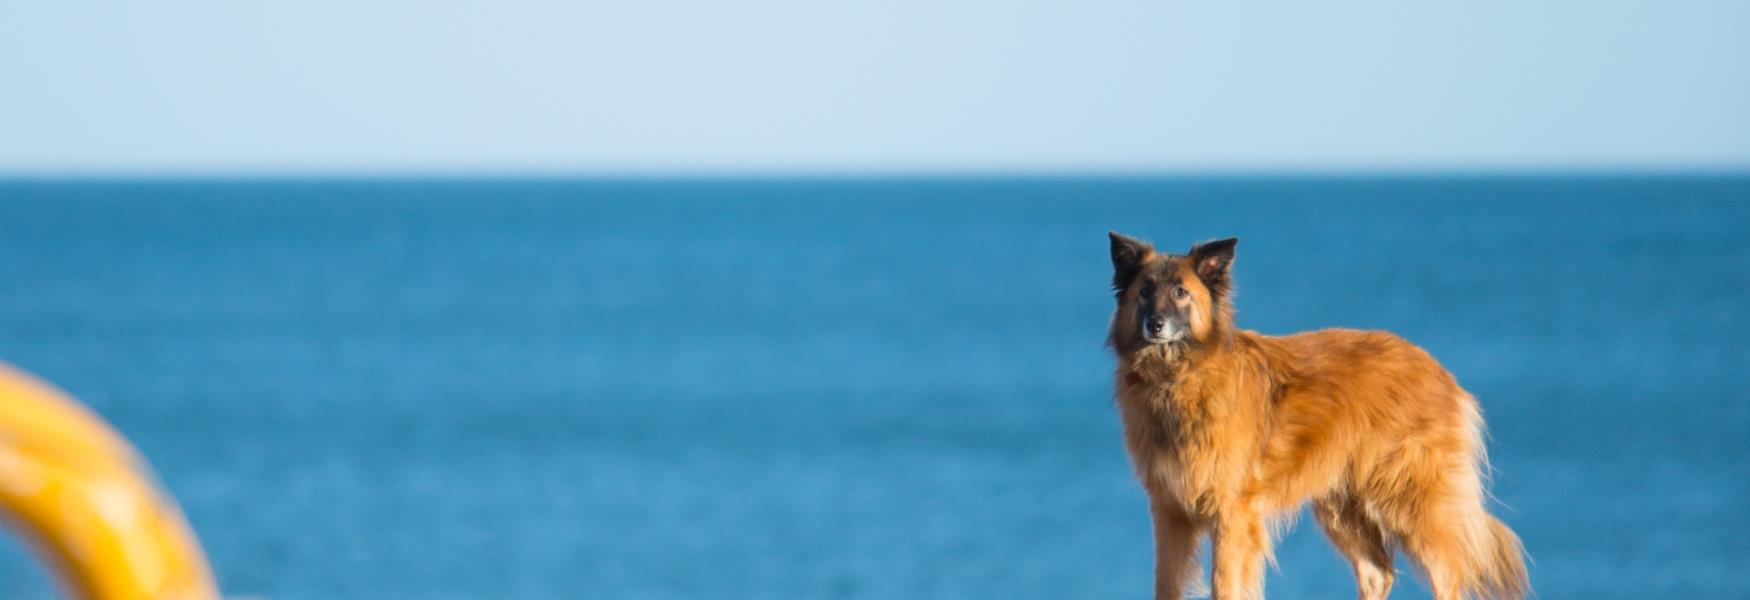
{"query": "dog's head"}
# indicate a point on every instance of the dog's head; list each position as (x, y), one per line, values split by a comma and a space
(1169, 299)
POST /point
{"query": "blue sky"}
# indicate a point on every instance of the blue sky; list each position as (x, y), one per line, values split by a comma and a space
(771, 86)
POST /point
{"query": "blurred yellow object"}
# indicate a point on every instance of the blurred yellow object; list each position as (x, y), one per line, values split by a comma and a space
(86, 500)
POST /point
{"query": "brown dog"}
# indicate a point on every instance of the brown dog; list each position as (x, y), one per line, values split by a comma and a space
(1230, 429)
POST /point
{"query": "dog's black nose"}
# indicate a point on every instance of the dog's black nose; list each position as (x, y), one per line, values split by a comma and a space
(1156, 324)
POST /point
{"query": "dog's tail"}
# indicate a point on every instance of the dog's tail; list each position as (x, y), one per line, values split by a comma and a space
(1495, 566)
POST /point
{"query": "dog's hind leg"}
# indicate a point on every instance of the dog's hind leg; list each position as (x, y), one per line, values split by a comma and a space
(1361, 540)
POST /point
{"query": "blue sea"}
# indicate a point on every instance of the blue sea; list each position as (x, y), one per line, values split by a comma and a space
(843, 388)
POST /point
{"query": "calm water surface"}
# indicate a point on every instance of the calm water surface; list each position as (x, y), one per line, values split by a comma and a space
(847, 389)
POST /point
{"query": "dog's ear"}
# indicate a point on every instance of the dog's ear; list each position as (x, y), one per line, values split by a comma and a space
(1214, 262)
(1127, 255)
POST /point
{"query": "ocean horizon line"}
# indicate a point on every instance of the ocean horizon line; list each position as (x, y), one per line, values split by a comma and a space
(778, 176)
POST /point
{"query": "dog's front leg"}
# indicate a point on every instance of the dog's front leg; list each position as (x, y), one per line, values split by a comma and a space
(1175, 547)
(1240, 546)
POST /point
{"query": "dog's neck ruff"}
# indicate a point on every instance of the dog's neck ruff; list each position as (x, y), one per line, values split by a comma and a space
(1157, 364)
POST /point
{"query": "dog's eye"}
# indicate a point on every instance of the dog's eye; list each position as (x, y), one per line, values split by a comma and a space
(1148, 290)
(1179, 292)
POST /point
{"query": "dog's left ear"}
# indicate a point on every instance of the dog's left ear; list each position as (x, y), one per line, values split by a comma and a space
(1214, 261)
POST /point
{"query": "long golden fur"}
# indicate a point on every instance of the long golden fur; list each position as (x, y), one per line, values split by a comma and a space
(1231, 430)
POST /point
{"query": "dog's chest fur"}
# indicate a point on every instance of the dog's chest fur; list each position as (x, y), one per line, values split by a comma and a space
(1180, 428)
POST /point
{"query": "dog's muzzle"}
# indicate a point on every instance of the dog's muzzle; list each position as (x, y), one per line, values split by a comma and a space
(1158, 330)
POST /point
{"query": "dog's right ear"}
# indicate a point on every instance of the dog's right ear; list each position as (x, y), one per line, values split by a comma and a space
(1127, 256)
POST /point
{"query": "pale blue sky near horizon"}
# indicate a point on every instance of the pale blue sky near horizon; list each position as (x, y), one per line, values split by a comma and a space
(777, 86)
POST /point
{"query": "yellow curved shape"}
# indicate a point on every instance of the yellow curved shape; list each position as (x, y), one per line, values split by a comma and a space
(86, 500)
